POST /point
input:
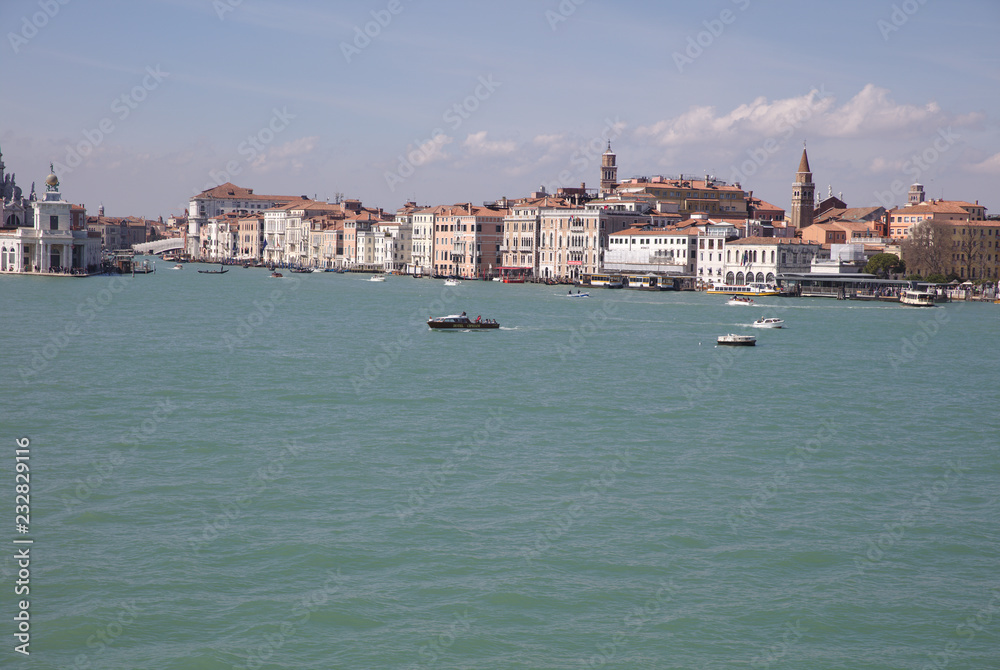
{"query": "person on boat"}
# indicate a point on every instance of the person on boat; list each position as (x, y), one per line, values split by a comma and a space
(570, 292)
(463, 313)
(479, 318)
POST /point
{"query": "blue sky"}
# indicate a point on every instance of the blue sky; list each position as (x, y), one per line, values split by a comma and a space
(471, 101)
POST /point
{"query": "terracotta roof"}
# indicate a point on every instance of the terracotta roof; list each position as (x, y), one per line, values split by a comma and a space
(231, 191)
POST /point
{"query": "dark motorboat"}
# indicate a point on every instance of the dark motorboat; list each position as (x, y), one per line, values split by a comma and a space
(462, 322)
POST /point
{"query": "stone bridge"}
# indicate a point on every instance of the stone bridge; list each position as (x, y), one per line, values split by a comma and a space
(159, 246)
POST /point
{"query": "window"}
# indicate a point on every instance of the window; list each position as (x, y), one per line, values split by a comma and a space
(54, 222)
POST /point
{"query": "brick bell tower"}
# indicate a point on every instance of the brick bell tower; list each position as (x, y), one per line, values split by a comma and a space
(803, 194)
(609, 171)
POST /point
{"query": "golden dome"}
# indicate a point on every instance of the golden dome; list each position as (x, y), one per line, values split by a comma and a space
(52, 180)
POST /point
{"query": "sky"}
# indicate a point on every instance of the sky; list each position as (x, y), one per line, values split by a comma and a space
(142, 104)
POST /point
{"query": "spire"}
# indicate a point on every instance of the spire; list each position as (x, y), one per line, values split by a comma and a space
(804, 163)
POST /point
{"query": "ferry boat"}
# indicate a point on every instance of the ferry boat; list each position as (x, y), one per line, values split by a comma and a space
(462, 322)
(606, 281)
(645, 283)
(768, 323)
(917, 298)
(746, 289)
(732, 340)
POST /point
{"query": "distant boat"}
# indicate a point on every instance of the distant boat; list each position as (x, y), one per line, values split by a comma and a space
(744, 289)
(461, 322)
(276, 275)
(221, 271)
(741, 300)
(377, 278)
(577, 295)
(768, 323)
(737, 340)
(177, 267)
(451, 282)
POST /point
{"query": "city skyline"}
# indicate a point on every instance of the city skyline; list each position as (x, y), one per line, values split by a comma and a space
(391, 101)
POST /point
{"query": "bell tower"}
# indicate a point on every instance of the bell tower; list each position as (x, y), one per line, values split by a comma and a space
(609, 171)
(803, 194)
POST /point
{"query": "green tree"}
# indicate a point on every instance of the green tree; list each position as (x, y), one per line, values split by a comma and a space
(881, 264)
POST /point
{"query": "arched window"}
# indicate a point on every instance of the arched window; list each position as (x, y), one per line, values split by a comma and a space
(739, 279)
(730, 278)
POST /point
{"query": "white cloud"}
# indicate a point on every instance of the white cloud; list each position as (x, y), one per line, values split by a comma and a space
(870, 113)
(477, 144)
(289, 155)
(989, 166)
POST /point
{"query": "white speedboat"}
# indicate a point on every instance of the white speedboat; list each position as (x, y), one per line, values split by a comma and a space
(177, 267)
(377, 278)
(768, 323)
(577, 295)
(741, 300)
(451, 282)
(732, 340)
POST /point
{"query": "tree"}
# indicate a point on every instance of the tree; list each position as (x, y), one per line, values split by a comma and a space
(885, 264)
(970, 244)
(927, 249)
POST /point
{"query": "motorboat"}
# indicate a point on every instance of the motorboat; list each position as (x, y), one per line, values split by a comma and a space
(451, 282)
(917, 298)
(732, 340)
(177, 267)
(770, 322)
(462, 322)
(740, 300)
(577, 295)
(276, 275)
(377, 278)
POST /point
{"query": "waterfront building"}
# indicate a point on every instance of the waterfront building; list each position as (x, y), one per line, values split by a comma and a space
(691, 195)
(467, 240)
(803, 195)
(422, 255)
(762, 259)
(572, 240)
(55, 243)
(521, 233)
(901, 219)
(326, 241)
(250, 237)
(652, 250)
(118, 233)
(226, 199)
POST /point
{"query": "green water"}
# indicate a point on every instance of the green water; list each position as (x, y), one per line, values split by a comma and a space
(239, 471)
